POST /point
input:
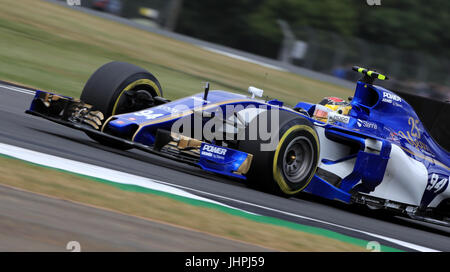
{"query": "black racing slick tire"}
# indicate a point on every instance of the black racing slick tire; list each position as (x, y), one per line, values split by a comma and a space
(106, 88)
(290, 162)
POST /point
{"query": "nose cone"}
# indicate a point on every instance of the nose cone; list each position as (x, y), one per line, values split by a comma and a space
(122, 126)
(122, 122)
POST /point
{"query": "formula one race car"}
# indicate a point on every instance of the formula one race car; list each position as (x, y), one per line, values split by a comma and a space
(372, 150)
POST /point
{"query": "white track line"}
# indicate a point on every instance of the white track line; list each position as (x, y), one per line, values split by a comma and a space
(125, 178)
(116, 176)
(17, 89)
(99, 172)
(392, 240)
(234, 56)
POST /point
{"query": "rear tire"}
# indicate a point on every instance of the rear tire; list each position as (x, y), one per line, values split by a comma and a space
(289, 167)
(106, 87)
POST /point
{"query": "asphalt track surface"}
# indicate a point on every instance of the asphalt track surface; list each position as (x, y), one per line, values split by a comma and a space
(20, 129)
(31, 222)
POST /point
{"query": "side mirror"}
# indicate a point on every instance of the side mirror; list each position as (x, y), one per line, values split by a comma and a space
(255, 91)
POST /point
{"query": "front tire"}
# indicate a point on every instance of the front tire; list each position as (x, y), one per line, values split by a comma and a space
(290, 166)
(106, 91)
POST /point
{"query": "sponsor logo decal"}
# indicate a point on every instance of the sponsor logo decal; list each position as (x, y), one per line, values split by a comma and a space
(392, 96)
(413, 136)
(148, 114)
(340, 118)
(392, 99)
(366, 124)
(393, 136)
(213, 150)
(169, 109)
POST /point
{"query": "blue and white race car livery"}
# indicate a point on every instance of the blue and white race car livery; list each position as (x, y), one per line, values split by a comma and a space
(372, 149)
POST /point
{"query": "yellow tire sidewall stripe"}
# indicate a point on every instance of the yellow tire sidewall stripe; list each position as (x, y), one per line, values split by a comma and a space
(131, 86)
(277, 175)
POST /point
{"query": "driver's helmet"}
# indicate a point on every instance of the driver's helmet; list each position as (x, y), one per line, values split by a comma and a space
(331, 104)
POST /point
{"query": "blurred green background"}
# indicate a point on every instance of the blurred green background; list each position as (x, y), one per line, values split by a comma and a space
(407, 39)
(56, 48)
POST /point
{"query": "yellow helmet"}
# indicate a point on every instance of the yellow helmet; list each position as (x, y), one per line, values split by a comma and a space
(329, 104)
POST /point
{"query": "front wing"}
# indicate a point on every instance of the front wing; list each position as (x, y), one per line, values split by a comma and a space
(76, 114)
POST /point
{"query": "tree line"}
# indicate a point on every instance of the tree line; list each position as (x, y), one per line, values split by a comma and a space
(251, 25)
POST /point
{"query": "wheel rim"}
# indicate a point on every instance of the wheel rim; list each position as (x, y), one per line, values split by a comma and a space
(135, 85)
(298, 159)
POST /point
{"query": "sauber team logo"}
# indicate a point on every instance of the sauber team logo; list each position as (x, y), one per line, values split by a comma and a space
(366, 124)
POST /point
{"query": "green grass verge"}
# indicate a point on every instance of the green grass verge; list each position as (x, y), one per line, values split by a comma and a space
(204, 216)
